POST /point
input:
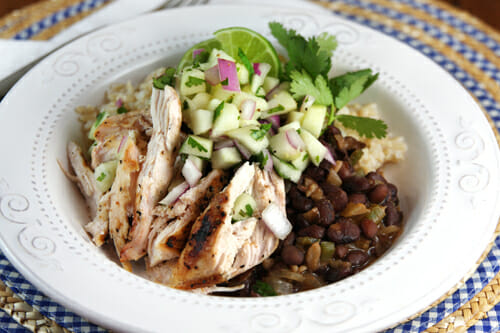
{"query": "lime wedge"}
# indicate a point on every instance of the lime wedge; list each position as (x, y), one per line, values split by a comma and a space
(187, 58)
(255, 46)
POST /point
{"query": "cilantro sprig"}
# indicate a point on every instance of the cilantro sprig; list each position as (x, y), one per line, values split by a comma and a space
(259, 134)
(307, 70)
(263, 289)
(194, 81)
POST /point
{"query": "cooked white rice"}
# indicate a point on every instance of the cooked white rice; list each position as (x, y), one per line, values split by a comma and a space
(377, 152)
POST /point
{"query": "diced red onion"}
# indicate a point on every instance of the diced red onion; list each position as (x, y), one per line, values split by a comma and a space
(212, 75)
(307, 103)
(243, 150)
(196, 52)
(276, 221)
(175, 194)
(227, 70)
(223, 144)
(119, 102)
(294, 139)
(122, 144)
(269, 162)
(248, 109)
(191, 173)
(275, 121)
(329, 156)
(256, 68)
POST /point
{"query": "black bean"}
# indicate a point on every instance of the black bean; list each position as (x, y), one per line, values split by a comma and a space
(299, 201)
(375, 178)
(336, 195)
(300, 222)
(290, 239)
(358, 198)
(341, 251)
(292, 255)
(392, 216)
(369, 228)
(343, 232)
(357, 257)
(315, 173)
(356, 184)
(345, 170)
(314, 231)
(326, 212)
(338, 270)
(379, 193)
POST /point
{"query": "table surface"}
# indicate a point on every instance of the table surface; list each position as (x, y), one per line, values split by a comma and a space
(486, 10)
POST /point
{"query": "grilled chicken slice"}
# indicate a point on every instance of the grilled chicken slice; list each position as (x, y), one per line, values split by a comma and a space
(157, 169)
(173, 223)
(84, 177)
(122, 193)
(218, 250)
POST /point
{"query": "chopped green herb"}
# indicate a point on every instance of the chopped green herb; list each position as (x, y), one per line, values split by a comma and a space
(185, 105)
(195, 144)
(225, 82)
(194, 81)
(262, 158)
(317, 158)
(260, 133)
(100, 117)
(306, 156)
(249, 210)
(230, 99)
(218, 110)
(276, 109)
(121, 110)
(350, 85)
(200, 58)
(367, 127)
(246, 63)
(167, 79)
(263, 289)
(101, 177)
(184, 157)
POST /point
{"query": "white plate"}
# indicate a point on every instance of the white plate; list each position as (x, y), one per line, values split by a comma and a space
(448, 184)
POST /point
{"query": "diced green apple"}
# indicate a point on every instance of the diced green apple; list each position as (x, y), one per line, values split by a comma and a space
(270, 83)
(200, 101)
(105, 175)
(225, 158)
(293, 125)
(244, 207)
(258, 79)
(314, 119)
(197, 146)
(286, 170)
(261, 103)
(280, 146)
(295, 116)
(200, 121)
(246, 136)
(190, 82)
(243, 74)
(301, 162)
(226, 120)
(315, 149)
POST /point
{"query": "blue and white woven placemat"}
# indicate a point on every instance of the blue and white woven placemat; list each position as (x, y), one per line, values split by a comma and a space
(356, 10)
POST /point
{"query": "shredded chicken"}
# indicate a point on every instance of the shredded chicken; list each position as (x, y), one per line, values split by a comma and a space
(157, 170)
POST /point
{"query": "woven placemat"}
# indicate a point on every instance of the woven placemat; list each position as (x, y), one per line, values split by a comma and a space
(458, 42)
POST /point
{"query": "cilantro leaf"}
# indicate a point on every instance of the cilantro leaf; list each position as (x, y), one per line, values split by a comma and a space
(302, 85)
(167, 79)
(276, 109)
(263, 289)
(225, 82)
(350, 85)
(200, 58)
(194, 81)
(218, 110)
(248, 210)
(248, 65)
(195, 144)
(312, 55)
(121, 110)
(367, 127)
(260, 133)
(101, 177)
(327, 43)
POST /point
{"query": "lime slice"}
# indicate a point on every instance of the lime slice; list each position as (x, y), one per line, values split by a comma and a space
(255, 46)
(187, 58)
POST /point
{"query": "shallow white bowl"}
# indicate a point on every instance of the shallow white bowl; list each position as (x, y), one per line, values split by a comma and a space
(448, 183)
